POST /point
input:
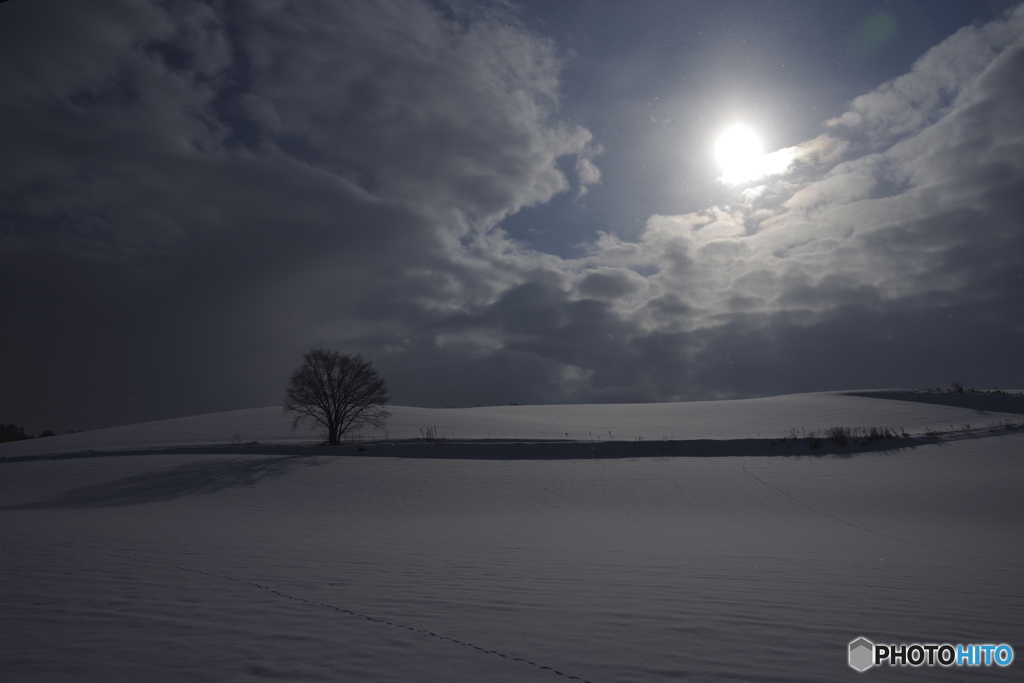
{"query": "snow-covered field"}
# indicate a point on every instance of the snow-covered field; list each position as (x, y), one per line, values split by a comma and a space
(226, 566)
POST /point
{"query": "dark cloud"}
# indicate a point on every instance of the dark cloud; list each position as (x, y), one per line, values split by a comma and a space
(195, 192)
(452, 116)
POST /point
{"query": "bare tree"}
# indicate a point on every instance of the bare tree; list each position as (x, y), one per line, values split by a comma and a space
(336, 392)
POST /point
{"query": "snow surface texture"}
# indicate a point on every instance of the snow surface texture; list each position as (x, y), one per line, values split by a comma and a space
(199, 567)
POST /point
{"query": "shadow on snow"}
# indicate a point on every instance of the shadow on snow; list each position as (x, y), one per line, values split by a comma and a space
(190, 479)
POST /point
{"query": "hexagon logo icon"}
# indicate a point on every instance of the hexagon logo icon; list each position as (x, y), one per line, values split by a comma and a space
(862, 654)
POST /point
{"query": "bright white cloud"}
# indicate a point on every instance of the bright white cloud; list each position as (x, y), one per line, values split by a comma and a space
(588, 173)
(759, 166)
(907, 104)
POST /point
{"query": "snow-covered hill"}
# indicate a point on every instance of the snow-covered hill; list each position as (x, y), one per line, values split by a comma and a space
(737, 419)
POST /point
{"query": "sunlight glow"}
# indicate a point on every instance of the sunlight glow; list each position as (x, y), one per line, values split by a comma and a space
(738, 152)
(741, 156)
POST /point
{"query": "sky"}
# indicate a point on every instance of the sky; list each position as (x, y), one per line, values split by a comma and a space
(504, 202)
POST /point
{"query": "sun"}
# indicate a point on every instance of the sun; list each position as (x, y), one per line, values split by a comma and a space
(738, 152)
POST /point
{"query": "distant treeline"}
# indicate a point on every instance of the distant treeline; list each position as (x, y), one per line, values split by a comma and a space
(13, 432)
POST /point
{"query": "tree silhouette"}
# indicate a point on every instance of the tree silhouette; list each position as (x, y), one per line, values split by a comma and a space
(338, 393)
(12, 432)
